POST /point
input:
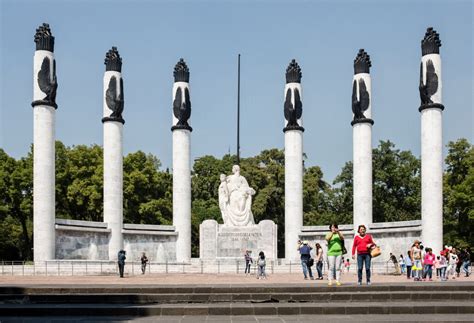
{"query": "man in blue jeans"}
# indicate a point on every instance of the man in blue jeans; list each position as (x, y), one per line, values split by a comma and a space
(305, 252)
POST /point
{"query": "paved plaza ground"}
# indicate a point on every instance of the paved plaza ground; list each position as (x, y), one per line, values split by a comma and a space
(192, 279)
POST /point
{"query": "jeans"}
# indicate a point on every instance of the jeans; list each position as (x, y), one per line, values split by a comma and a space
(261, 271)
(442, 273)
(306, 268)
(465, 267)
(334, 267)
(403, 268)
(143, 267)
(247, 267)
(428, 271)
(319, 268)
(409, 271)
(121, 268)
(361, 259)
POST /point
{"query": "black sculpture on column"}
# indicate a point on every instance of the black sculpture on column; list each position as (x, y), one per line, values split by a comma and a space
(181, 106)
(293, 112)
(360, 94)
(430, 44)
(114, 99)
(47, 81)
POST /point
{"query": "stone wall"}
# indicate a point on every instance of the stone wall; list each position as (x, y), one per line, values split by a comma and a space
(85, 240)
(89, 240)
(157, 241)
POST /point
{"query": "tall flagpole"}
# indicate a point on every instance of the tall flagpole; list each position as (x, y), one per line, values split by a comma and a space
(238, 112)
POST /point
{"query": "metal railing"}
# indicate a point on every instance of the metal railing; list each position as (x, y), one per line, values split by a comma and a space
(196, 266)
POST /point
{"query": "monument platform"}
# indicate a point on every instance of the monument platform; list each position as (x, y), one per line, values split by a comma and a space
(202, 296)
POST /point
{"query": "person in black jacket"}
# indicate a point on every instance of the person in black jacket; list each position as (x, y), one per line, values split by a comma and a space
(144, 261)
(121, 261)
(305, 251)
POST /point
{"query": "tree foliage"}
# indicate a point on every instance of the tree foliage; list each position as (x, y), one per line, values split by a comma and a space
(459, 194)
(148, 191)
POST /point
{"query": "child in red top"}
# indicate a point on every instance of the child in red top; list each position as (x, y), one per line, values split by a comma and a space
(428, 264)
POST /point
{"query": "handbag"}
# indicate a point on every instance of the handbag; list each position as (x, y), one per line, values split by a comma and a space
(375, 251)
(344, 250)
(310, 262)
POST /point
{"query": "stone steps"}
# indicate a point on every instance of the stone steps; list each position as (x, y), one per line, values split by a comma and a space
(204, 298)
(440, 307)
(256, 299)
(254, 288)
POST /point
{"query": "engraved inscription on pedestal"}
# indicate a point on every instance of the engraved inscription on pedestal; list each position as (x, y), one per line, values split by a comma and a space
(219, 242)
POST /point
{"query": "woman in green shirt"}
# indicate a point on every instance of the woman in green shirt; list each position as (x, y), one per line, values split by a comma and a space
(335, 241)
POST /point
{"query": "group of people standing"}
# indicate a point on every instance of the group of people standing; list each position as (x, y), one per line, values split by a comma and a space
(361, 248)
(261, 263)
(420, 262)
(121, 256)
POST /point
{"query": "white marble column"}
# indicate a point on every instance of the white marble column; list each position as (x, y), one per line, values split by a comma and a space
(293, 160)
(113, 151)
(362, 140)
(44, 111)
(431, 143)
(182, 162)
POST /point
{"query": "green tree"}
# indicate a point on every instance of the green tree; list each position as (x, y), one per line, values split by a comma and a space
(342, 195)
(459, 194)
(318, 198)
(396, 186)
(79, 182)
(147, 191)
(16, 207)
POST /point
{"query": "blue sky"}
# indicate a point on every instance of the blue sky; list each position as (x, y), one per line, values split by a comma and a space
(323, 36)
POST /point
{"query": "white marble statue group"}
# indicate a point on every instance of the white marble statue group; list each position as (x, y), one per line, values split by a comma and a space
(235, 199)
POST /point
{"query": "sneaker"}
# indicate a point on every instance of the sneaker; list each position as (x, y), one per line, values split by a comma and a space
(338, 283)
(330, 283)
(369, 283)
(359, 283)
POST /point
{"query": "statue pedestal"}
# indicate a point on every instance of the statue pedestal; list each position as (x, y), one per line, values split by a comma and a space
(221, 242)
